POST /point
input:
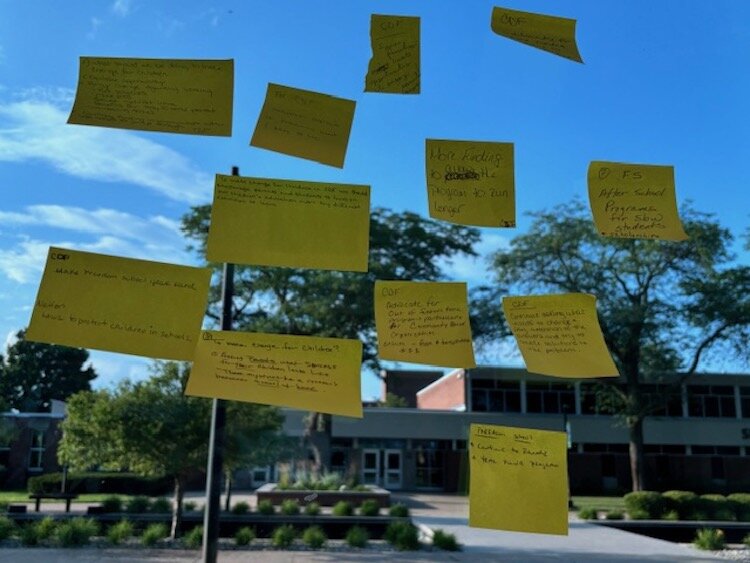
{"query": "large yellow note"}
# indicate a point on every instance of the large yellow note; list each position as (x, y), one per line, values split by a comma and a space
(471, 182)
(559, 335)
(518, 479)
(424, 323)
(634, 201)
(394, 66)
(289, 223)
(174, 96)
(302, 372)
(304, 124)
(120, 304)
(549, 33)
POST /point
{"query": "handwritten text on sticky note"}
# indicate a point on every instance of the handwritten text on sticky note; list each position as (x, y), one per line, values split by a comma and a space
(519, 479)
(634, 201)
(304, 372)
(120, 304)
(471, 182)
(559, 335)
(424, 322)
(394, 66)
(174, 96)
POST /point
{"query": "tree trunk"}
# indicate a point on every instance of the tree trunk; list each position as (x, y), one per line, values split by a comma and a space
(318, 439)
(227, 489)
(637, 470)
(179, 493)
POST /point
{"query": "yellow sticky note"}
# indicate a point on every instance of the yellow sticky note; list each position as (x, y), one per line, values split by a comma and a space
(634, 201)
(170, 95)
(289, 223)
(471, 182)
(301, 372)
(549, 33)
(424, 323)
(519, 479)
(304, 124)
(120, 304)
(559, 335)
(394, 66)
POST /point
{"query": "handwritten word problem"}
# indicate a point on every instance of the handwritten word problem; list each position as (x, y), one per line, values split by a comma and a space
(394, 67)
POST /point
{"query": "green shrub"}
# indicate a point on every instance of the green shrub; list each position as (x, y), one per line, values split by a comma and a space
(615, 515)
(7, 527)
(369, 507)
(137, 505)
(644, 502)
(283, 536)
(189, 505)
(45, 528)
(445, 541)
(75, 532)
(240, 508)
(161, 505)
(746, 540)
(717, 507)
(588, 514)
(402, 535)
(28, 535)
(698, 515)
(244, 536)
(314, 537)
(684, 503)
(153, 533)
(710, 539)
(266, 507)
(194, 538)
(112, 503)
(312, 509)
(741, 504)
(342, 508)
(289, 507)
(398, 510)
(120, 532)
(671, 515)
(357, 536)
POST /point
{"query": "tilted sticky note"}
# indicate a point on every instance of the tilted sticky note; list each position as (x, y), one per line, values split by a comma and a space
(424, 322)
(304, 124)
(170, 95)
(634, 201)
(549, 33)
(302, 372)
(120, 304)
(519, 479)
(471, 182)
(394, 66)
(559, 335)
(289, 223)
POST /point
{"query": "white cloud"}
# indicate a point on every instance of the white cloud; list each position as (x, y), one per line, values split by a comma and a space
(95, 25)
(474, 269)
(121, 7)
(37, 130)
(111, 368)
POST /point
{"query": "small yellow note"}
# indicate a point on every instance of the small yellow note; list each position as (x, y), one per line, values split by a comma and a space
(519, 479)
(424, 323)
(549, 33)
(120, 304)
(289, 223)
(304, 124)
(174, 96)
(394, 66)
(301, 372)
(559, 335)
(634, 201)
(471, 182)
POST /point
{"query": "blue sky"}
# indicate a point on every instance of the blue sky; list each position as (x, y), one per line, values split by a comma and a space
(663, 82)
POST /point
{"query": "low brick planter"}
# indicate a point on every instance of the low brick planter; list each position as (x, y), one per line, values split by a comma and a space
(270, 492)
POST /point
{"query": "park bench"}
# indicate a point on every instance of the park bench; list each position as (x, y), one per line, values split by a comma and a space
(67, 497)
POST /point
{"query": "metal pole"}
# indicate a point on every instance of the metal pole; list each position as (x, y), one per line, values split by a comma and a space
(216, 438)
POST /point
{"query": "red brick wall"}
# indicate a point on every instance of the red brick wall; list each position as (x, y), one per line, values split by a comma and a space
(448, 393)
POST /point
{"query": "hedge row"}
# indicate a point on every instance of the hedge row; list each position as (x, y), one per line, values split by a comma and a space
(97, 482)
(686, 505)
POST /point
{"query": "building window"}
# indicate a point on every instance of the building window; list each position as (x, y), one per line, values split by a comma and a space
(36, 452)
(605, 448)
(663, 400)
(490, 395)
(429, 468)
(715, 450)
(550, 398)
(659, 449)
(339, 459)
(711, 401)
(745, 401)
(717, 468)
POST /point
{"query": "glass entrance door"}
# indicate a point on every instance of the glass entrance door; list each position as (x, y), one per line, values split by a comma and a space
(393, 469)
(371, 467)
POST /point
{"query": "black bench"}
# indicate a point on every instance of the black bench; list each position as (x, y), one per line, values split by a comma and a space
(67, 497)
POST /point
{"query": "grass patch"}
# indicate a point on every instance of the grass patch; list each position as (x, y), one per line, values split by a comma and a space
(600, 503)
(710, 539)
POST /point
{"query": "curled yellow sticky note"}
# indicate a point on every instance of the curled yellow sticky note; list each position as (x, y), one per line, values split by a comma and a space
(394, 67)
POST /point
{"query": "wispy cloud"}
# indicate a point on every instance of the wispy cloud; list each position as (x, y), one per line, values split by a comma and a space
(121, 7)
(36, 129)
(96, 23)
(474, 269)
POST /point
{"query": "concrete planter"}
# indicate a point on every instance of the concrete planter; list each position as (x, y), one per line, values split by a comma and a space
(270, 492)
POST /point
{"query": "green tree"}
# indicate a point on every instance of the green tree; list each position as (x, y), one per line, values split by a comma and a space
(33, 373)
(663, 306)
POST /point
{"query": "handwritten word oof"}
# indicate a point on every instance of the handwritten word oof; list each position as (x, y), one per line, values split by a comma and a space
(290, 224)
(519, 479)
(471, 182)
(304, 124)
(423, 322)
(174, 96)
(120, 304)
(549, 33)
(559, 335)
(394, 66)
(303, 372)
(634, 201)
